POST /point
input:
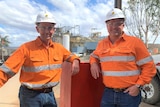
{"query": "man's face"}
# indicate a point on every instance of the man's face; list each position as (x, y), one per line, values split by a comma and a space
(115, 27)
(46, 30)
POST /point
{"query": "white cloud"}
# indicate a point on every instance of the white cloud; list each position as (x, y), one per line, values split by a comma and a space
(18, 16)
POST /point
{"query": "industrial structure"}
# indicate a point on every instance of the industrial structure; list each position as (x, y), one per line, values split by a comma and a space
(72, 40)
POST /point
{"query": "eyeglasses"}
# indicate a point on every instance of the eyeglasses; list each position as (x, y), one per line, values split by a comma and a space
(46, 27)
(114, 23)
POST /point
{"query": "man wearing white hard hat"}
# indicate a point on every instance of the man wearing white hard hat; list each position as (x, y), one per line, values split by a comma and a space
(124, 63)
(39, 62)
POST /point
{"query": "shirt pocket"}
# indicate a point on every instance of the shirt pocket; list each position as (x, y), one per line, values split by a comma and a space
(36, 60)
(124, 52)
(104, 52)
(125, 56)
(57, 59)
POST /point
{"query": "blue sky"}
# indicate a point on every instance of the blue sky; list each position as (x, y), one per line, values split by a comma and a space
(17, 20)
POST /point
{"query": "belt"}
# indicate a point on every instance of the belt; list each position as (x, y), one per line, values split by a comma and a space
(117, 89)
(43, 90)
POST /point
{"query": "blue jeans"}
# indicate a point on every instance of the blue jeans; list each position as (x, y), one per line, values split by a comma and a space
(29, 98)
(111, 98)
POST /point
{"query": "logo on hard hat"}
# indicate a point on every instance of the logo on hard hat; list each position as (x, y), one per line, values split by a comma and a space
(113, 13)
(46, 15)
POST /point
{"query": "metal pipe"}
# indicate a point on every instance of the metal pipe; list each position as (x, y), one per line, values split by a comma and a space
(118, 4)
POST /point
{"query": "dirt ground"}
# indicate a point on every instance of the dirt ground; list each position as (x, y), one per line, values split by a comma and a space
(9, 93)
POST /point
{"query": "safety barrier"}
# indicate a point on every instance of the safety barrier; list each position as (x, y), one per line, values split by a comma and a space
(82, 90)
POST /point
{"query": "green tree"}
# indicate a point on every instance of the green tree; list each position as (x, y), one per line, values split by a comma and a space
(143, 19)
(4, 42)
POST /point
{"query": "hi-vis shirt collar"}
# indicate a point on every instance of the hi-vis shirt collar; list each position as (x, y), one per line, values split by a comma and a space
(123, 37)
(40, 43)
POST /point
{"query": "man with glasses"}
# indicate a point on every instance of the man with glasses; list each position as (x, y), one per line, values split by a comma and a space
(39, 62)
(124, 63)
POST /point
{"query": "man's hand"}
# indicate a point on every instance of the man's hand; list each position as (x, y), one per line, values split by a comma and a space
(75, 67)
(95, 70)
(133, 90)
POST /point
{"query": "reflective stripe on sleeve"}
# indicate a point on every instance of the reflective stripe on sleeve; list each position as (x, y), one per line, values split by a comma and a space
(144, 60)
(39, 86)
(117, 58)
(7, 70)
(41, 68)
(121, 73)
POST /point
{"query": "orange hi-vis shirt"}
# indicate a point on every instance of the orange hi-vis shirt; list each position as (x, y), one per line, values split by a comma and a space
(39, 66)
(124, 63)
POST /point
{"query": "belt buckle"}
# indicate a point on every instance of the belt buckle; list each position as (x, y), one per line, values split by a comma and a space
(46, 90)
(117, 89)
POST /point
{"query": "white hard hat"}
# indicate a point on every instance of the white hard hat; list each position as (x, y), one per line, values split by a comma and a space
(45, 16)
(115, 13)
